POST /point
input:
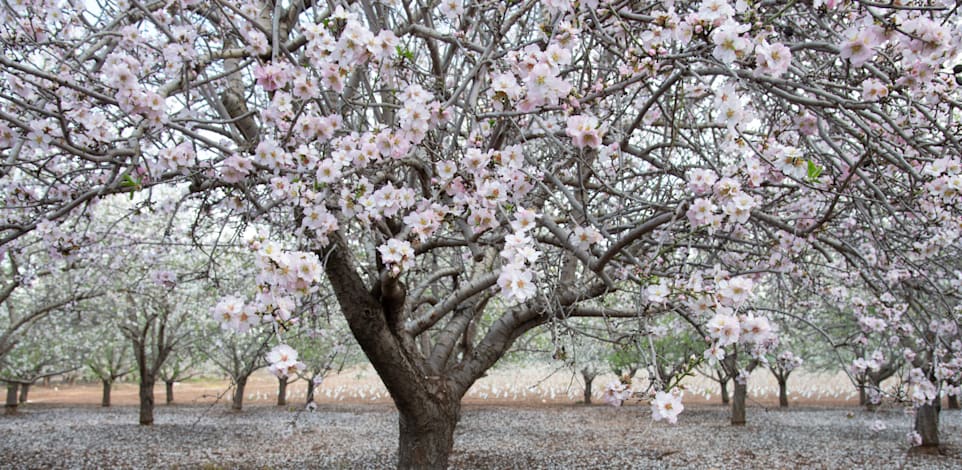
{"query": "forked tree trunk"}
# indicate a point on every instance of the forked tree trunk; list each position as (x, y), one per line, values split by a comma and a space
(427, 435)
(281, 391)
(783, 393)
(105, 396)
(24, 389)
(146, 401)
(724, 392)
(927, 424)
(169, 391)
(11, 406)
(953, 402)
(310, 392)
(237, 402)
(738, 404)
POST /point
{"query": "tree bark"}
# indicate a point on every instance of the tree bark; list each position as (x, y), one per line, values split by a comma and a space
(927, 424)
(953, 402)
(724, 392)
(169, 391)
(783, 393)
(146, 401)
(589, 378)
(11, 406)
(427, 435)
(738, 404)
(281, 391)
(24, 389)
(310, 392)
(237, 402)
(105, 396)
(862, 396)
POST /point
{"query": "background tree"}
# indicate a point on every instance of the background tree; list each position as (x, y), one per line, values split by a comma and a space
(238, 355)
(109, 356)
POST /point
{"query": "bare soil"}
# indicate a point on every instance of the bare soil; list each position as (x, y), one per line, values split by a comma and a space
(512, 419)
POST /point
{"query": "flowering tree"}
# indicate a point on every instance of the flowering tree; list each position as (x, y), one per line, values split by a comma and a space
(239, 355)
(517, 160)
(109, 356)
(36, 357)
(784, 364)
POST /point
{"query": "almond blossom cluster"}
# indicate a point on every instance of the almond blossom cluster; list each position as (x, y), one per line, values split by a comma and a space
(725, 201)
(667, 406)
(283, 277)
(517, 279)
(282, 360)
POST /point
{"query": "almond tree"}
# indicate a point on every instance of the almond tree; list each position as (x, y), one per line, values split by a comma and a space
(109, 357)
(239, 355)
(517, 162)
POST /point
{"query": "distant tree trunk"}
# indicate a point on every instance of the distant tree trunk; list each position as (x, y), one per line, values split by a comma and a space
(169, 389)
(310, 392)
(738, 404)
(146, 400)
(589, 378)
(11, 406)
(869, 404)
(783, 392)
(724, 392)
(927, 424)
(953, 402)
(237, 403)
(105, 396)
(46, 381)
(862, 396)
(24, 389)
(281, 391)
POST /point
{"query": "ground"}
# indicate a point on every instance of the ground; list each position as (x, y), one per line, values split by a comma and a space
(489, 436)
(505, 424)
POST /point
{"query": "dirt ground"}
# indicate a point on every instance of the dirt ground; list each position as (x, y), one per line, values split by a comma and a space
(547, 436)
(512, 419)
(529, 386)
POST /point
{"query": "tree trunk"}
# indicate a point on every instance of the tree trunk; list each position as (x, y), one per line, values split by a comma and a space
(783, 393)
(427, 436)
(724, 392)
(237, 403)
(862, 396)
(146, 401)
(927, 424)
(738, 404)
(869, 404)
(24, 389)
(11, 406)
(953, 402)
(281, 391)
(105, 397)
(310, 392)
(169, 391)
(589, 378)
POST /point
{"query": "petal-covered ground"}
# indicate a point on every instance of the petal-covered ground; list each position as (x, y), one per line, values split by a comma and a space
(497, 437)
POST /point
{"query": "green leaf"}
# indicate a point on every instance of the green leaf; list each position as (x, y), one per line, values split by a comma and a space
(133, 184)
(814, 171)
(405, 53)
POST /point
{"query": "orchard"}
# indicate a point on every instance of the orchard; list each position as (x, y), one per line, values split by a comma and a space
(679, 196)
